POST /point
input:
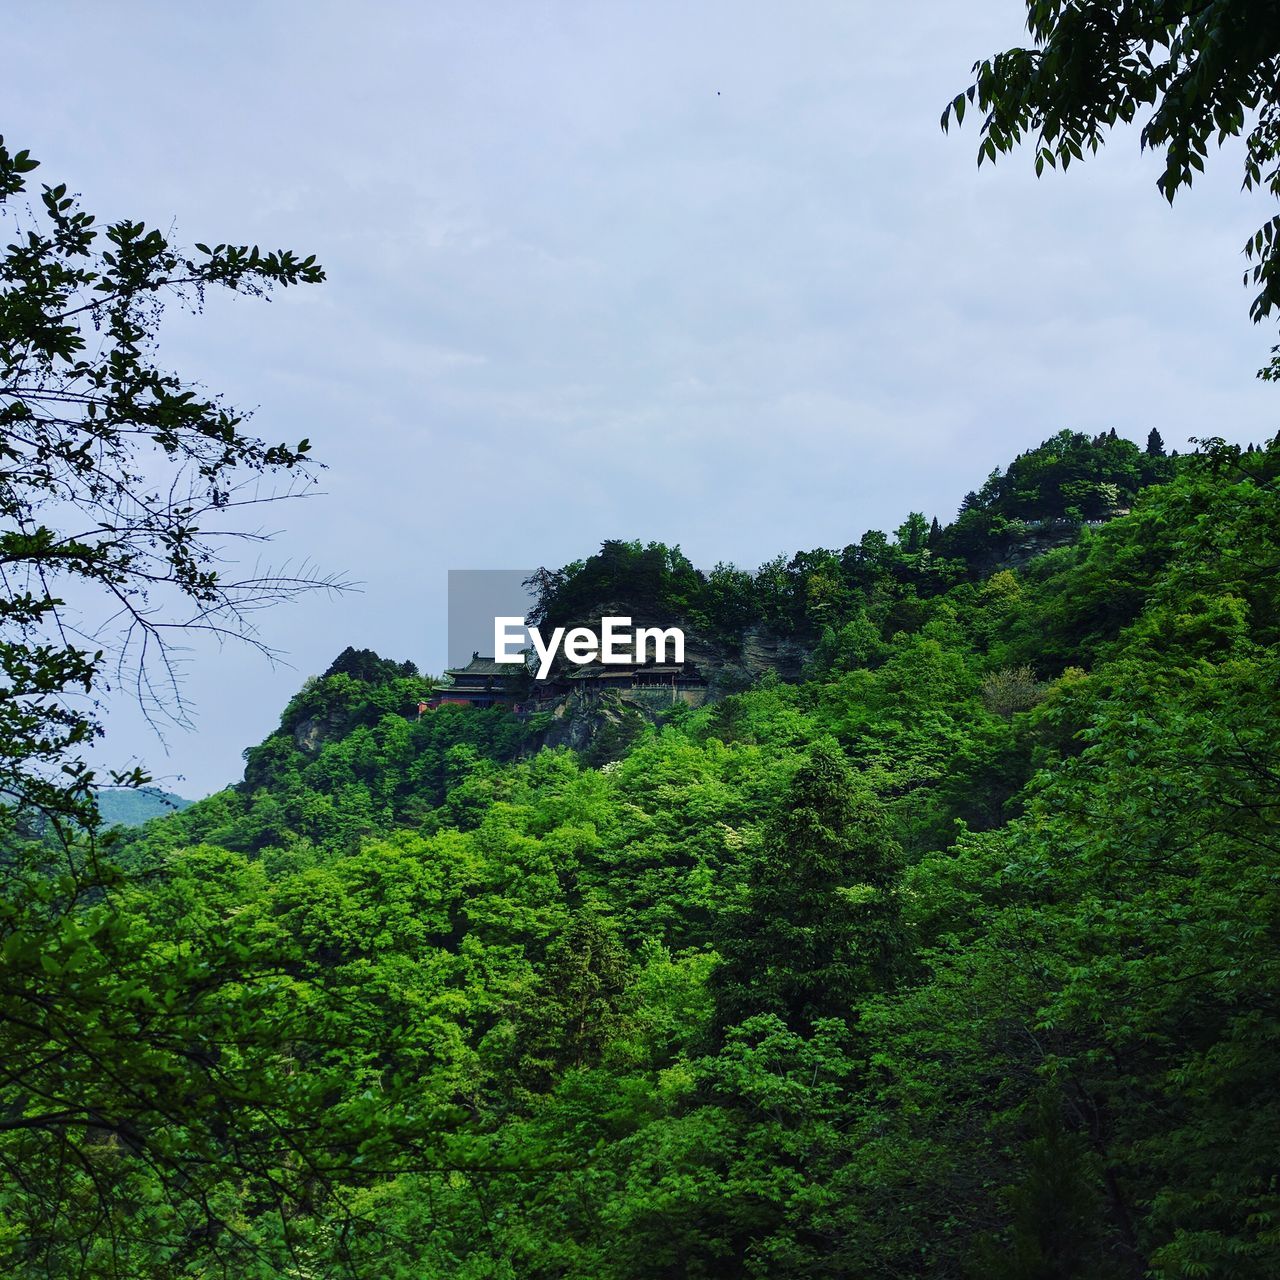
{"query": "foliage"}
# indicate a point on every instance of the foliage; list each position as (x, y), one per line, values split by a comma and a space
(835, 601)
(818, 925)
(116, 478)
(955, 958)
(1204, 71)
(364, 664)
(143, 1077)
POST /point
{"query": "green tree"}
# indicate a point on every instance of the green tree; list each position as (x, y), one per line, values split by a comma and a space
(1198, 72)
(117, 478)
(140, 1068)
(820, 923)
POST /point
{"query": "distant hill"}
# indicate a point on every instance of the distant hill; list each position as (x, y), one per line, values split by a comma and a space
(130, 808)
(948, 949)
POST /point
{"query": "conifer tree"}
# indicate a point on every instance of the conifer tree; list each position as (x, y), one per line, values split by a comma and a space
(820, 925)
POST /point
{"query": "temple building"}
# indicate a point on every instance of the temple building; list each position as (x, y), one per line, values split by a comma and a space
(652, 683)
(486, 683)
(481, 683)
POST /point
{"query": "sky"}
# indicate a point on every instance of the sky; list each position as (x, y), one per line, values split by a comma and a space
(709, 274)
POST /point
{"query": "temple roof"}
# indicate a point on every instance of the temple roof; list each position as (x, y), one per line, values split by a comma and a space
(479, 666)
(597, 670)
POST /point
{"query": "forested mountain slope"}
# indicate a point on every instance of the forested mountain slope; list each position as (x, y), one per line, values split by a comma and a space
(131, 808)
(956, 958)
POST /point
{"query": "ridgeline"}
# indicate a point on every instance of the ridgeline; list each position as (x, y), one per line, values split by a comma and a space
(948, 947)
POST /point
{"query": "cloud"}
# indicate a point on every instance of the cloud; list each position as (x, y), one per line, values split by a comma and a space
(708, 274)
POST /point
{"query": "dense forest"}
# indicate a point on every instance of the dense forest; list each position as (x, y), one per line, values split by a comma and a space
(956, 958)
(952, 955)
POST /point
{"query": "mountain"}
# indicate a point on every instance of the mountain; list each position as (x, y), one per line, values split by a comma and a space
(950, 950)
(131, 808)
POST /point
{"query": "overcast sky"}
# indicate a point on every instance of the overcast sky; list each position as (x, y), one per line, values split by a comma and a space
(707, 273)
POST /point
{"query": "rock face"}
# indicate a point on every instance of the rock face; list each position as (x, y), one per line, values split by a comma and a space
(582, 719)
(310, 734)
(596, 721)
(1020, 551)
(763, 651)
(1033, 538)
